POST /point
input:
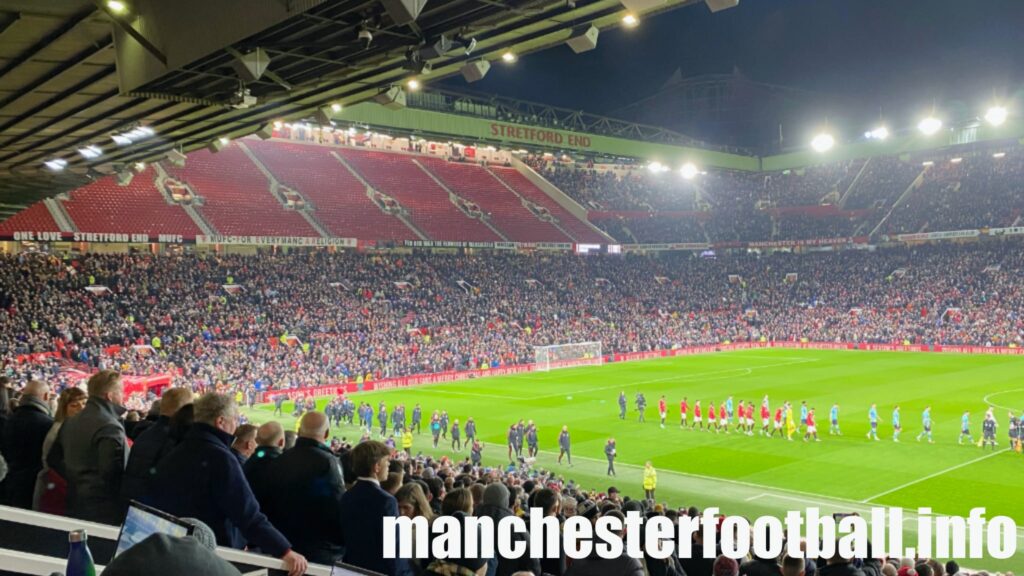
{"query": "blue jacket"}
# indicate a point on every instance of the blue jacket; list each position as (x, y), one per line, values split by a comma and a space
(363, 509)
(202, 479)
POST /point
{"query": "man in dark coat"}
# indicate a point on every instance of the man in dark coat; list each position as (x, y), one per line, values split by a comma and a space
(258, 469)
(202, 479)
(90, 453)
(363, 509)
(22, 447)
(152, 445)
(304, 494)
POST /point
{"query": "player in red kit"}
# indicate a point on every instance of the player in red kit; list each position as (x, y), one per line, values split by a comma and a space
(741, 413)
(812, 429)
(683, 406)
(766, 417)
(697, 416)
(712, 417)
(723, 419)
(662, 410)
(778, 423)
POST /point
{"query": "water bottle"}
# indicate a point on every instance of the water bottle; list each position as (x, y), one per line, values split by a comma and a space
(79, 557)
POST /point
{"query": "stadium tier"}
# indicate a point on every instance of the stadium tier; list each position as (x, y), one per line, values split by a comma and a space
(338, 198)
(237, 197)
(104, 206)
(287, 188)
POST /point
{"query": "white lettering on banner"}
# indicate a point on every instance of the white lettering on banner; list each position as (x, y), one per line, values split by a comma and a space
(498, 245)
(30, 236)
(808, 242)
(663, 247)
(1011, 231)
(276, 241)
(948, 234)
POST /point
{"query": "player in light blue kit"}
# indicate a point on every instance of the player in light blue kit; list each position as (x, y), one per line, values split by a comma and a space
(833, 417)
(803, 414)
(926, 423)
(965, 428)
(728, 408)
(873, 418)
(896, 428)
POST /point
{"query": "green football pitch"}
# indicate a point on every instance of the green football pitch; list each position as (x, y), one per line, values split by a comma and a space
(756, 475)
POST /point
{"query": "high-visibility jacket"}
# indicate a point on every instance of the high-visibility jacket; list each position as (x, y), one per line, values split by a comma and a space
(650, 478)
(406, 439)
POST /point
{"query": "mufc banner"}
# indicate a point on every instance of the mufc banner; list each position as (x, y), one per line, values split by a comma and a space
(276, 241)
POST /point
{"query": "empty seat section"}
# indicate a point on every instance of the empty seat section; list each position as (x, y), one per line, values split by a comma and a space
(35, 218)
(137, 208)
(521, 184)
(508, 214)
(338, 198)
(429, 207)
(237, 195)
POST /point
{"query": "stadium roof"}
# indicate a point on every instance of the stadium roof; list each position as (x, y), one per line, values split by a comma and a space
(73, 73)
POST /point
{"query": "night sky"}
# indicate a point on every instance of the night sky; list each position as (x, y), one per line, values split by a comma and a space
(859, 59)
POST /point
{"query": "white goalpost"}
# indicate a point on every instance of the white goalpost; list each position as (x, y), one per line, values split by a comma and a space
(567, 355)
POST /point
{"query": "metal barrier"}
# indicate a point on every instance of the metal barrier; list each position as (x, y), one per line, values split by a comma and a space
(37, 543)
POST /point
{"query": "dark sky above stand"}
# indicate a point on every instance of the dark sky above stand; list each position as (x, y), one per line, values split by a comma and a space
(861, 59)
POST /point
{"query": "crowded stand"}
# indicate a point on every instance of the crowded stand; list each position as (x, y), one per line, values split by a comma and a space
(304, 319)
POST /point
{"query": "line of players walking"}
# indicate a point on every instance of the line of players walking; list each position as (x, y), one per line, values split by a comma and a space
(739, 418)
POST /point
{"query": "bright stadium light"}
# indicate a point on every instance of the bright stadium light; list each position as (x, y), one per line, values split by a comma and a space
(224, 140)
(880, 133)
(929, 125)
(927, 163)
(999, 155)
(117, 7)
(996, 115)
(630, 21)
(90, 152)
(508, 57)
(336, 107)
(57, 164)
(656, 167)
(689, 171)
(956, 160)
(823, 142)
(413, 84)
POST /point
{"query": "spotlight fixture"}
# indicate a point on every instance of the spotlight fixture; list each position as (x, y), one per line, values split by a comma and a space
(413, 84)
(998, 155)
(630, 21)
(823, 142)
(929, 125)
(956, 160)
(996, 115)
(90, 152)
(57, 164)
(124, 177)
(475, 70)
(508, 57)
(176, 158)
(117, 7)
(336, 107)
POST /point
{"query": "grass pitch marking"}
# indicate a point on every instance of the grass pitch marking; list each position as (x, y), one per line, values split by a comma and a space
(987, 396)
(933, 475)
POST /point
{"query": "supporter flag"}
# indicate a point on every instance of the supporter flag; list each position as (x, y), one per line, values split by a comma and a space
(791, 277)
(232, 288)
(532, 282)
(403, 285)
(98, 290)
(661, 279)
(734, 278)
(602, 281)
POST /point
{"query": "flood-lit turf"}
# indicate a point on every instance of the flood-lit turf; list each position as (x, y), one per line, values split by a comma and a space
(756, 475)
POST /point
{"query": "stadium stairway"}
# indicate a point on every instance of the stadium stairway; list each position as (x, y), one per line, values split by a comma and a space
(459, 201)
(579, 224)
(288, 196)
(477, 184)
(906, 194)
(371, 193)
(161, 185)
(531, 195)
(238, 198)
(60, 215)
(429, 206)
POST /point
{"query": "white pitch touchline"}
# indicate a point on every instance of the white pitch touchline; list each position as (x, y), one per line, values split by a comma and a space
(476, 395)
(987, 396)
(683, 377)
(933, 475)
(814, 498)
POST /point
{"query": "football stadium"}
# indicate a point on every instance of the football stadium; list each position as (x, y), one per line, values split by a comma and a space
(300, 286)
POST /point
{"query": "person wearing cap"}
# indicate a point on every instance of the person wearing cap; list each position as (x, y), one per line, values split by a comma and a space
(650, 480)
(495, 505)
(725, 566)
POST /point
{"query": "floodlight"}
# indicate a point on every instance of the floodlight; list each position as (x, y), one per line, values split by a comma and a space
(117, 7)
(689, 171)
(413, 84)
(823, 142)
(630, 21)
(996, 115)
(880, 133)
(508, 57)
(929, 125)
(57, 164)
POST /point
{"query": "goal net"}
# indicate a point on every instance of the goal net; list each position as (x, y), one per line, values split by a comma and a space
(567, 355)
